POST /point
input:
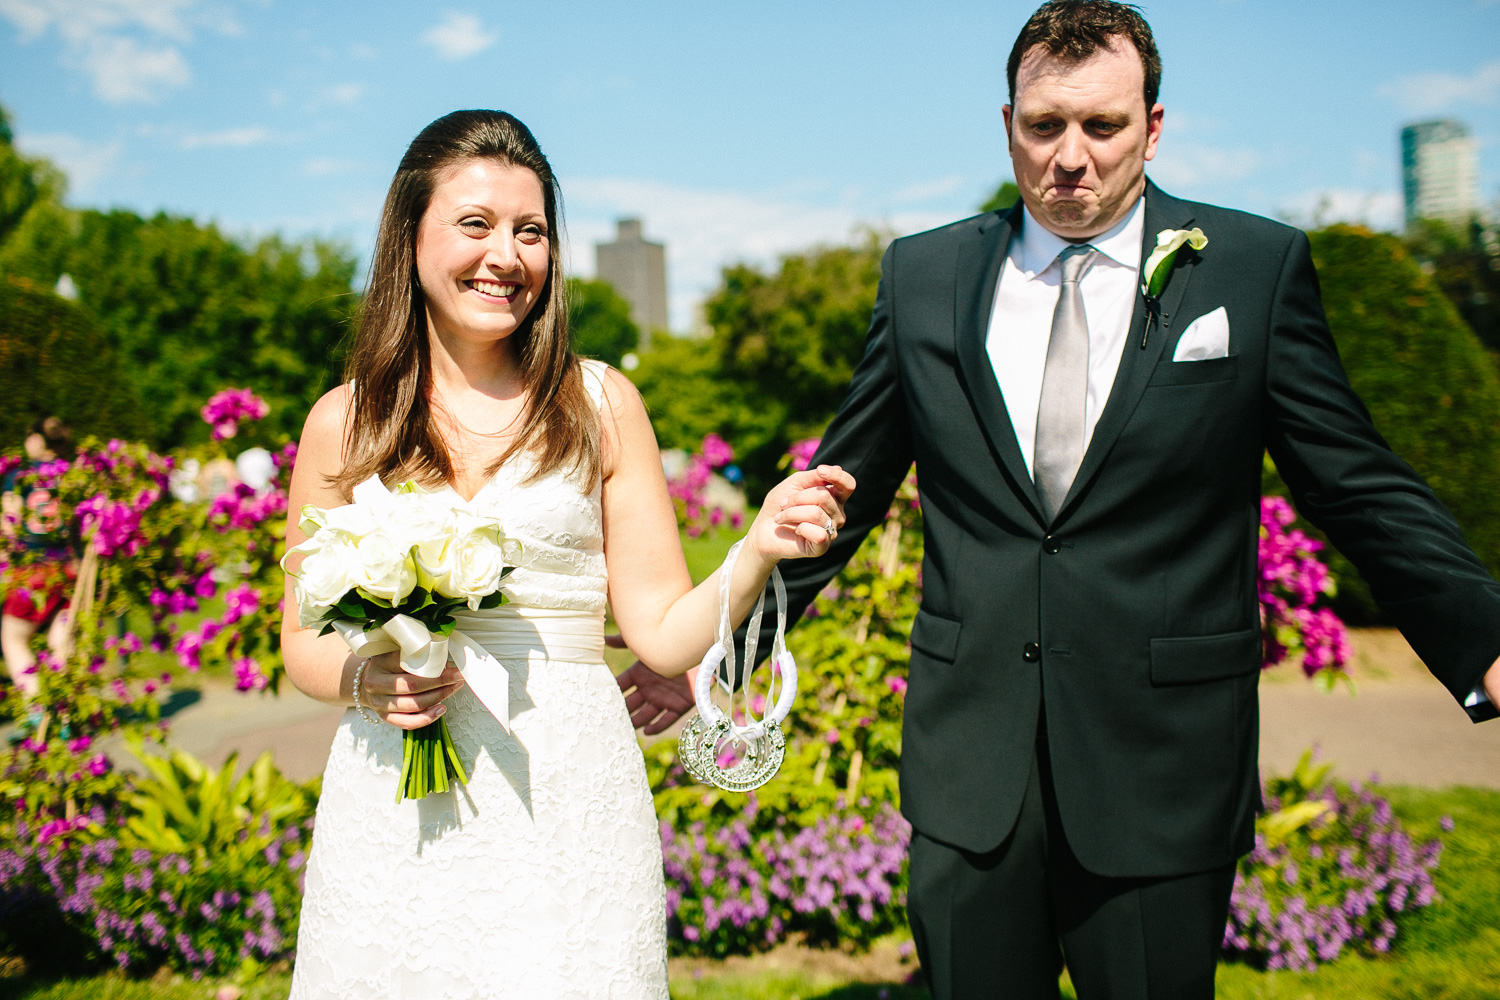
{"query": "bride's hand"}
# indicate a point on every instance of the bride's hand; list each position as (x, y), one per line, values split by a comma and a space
(802, 515)
(402, 699)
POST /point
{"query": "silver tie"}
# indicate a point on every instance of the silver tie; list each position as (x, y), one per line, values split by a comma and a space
(1065, 386)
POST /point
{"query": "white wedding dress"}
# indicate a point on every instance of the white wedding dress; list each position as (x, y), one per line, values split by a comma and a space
(541, 878)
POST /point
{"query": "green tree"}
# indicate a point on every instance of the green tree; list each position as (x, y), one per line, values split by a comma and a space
(1465, 263)
(23, 181)
(1006, 195)
(190, 310)
(687, 394)
(1429, 384)
(789, 342)
(600, 321)
(54, 360)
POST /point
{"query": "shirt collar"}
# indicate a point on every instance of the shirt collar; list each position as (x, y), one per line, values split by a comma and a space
(1122, 244)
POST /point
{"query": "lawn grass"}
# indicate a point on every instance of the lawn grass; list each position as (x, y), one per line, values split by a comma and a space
(1450, 951)
(113, 986)
(707, 552)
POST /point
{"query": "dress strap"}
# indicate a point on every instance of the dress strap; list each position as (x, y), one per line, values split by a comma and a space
(593, 379)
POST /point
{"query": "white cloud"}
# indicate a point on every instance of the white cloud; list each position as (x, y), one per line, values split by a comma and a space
(86, 162)
(1188, 165)
(130, 49)
(346, 93)
(1423, 93)
(1380, 210)
(458, 36)
(704, 230)
(125, 70)
(249, 135)
(327, 166)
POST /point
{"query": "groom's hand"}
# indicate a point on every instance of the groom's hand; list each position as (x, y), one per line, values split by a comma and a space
(654, 701)
(1492, 684)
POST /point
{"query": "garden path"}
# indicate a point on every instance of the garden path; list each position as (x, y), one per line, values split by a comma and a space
(1400, 724)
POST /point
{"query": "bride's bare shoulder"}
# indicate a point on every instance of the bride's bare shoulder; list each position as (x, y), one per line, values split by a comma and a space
(321, 446)
(326, 419)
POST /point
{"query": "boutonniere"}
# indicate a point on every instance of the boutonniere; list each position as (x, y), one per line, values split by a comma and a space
(1158, 268)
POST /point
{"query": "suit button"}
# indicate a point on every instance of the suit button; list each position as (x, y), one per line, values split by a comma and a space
(1031, 653)
(1051, 545)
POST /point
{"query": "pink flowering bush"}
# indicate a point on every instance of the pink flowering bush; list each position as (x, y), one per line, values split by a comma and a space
(146, 562)
(695, 514)
(1291, 581)
(226, 409)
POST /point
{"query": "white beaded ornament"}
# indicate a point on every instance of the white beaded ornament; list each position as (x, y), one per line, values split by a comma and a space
(712, 731)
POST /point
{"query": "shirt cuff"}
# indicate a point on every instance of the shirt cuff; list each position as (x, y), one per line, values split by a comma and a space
(1478, 697)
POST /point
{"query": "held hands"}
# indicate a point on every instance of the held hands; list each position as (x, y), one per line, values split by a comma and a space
(402, 699)
(802, 514)
(1492, 684)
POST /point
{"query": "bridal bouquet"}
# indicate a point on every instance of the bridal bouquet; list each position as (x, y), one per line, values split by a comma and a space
(387, 572)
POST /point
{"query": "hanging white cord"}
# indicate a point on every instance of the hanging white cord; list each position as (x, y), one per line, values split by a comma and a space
(723, 650)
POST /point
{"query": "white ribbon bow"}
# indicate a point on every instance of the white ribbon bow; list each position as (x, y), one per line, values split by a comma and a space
(425, 654)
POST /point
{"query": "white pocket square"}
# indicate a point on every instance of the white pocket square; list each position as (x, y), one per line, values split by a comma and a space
(1206, 338)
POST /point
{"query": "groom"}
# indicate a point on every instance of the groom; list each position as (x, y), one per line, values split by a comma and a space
(1079, 751)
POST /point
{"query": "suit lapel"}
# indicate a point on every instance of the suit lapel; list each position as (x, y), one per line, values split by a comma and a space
(1137, 364)
(977, 271)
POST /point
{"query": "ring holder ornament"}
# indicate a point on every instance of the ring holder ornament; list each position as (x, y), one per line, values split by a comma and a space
(712, 731)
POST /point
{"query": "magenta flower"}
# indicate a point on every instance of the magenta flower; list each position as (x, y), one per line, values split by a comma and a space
(226, 408)
(248, 675)
(716, 451)
(802, 452)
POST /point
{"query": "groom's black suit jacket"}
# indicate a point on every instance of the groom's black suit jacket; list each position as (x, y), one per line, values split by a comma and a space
(1132, 620)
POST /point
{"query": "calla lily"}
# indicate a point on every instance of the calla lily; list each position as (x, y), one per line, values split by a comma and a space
(1159, 264)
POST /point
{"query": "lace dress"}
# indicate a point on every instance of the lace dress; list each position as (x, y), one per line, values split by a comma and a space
(541, 878)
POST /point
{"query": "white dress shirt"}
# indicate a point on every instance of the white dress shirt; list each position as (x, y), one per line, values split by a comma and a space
(1021, 317)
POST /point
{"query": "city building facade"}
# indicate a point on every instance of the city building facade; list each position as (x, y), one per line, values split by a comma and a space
(1440, 172)
(637, 268)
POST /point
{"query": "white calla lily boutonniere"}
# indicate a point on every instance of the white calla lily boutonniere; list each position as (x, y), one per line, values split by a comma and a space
(1158, 268)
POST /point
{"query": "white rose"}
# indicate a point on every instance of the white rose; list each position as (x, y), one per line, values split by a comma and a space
(384, 568)
(422, 521)
(352, 519)
(326, 575)
(475, 562)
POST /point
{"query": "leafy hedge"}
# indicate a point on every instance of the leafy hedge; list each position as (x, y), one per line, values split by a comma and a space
(54, 359)
(1430, 385)
(189, 309)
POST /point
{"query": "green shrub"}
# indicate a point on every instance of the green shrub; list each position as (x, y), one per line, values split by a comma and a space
(1332, 870)
(204, 876)
(1431, 387)
(54, 359)
(190, 310)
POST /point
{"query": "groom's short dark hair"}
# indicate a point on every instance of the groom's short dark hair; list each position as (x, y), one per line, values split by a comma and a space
(1076, 29)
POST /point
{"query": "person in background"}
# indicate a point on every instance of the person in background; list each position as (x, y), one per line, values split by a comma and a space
(35, 592)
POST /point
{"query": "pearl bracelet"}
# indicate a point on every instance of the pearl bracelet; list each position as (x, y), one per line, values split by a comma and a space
(359, 676)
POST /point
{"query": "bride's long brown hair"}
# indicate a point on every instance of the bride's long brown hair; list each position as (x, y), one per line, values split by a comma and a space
(392, 430)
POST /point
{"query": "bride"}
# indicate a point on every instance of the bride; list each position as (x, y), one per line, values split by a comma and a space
(542, 876)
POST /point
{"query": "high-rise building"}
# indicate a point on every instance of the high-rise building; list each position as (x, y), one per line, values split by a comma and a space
(637, 268)
(1440, 171)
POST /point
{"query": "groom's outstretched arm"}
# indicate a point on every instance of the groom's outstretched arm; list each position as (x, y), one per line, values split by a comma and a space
(870, 438)
(1346, 480)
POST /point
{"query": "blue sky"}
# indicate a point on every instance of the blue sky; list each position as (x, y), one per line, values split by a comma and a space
(738, 131)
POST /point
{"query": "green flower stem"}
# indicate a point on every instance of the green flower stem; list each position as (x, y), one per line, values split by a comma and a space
(428, 761)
